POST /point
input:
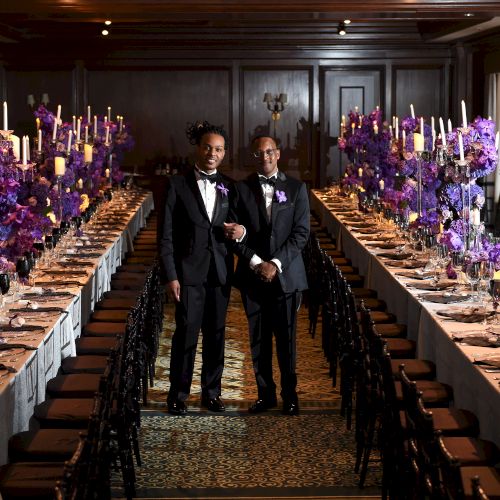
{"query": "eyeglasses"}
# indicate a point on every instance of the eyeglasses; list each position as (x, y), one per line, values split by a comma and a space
(267, 152)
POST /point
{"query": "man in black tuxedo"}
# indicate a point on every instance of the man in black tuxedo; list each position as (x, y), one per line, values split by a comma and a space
(273, 209)
(198, 267)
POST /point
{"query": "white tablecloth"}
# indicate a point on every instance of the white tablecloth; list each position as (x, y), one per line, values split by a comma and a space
(473, 388)
(21, 391)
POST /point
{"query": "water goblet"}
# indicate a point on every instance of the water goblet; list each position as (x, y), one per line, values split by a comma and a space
(4, 288)
(473, 275)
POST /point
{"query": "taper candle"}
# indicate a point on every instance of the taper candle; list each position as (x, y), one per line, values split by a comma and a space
(464, 115)
(441, 128)
(78, 128)
(39, 145)
(412, 111)
(461, 146)
(88, 114)
(86, 133)
(397, 127)
(450, 128)
(5, 116)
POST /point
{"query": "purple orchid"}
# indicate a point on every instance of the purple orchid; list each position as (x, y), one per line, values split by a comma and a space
(281, 196)
(223, 190)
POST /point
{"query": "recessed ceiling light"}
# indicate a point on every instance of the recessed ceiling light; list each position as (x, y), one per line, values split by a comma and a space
(347, 21)
(107, 22)
(469, 14)
(105, 32)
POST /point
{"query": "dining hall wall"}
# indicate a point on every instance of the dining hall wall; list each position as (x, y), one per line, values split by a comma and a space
(160, 93)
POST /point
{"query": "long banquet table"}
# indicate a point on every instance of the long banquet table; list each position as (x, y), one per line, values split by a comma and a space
(122, 218)
(474, 388)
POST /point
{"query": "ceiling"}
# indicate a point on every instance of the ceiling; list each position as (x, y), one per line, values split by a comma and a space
(76, 25)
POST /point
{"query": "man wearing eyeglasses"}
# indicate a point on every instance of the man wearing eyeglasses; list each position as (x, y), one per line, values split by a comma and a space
(273, 209)
(198, 266)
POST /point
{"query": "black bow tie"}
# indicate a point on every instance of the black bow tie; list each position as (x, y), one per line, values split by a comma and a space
(271, 181)
(208, 177)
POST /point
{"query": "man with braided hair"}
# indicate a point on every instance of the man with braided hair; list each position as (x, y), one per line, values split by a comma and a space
(198, 263)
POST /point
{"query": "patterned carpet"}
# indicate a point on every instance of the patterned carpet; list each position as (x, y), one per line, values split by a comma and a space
(238, 455)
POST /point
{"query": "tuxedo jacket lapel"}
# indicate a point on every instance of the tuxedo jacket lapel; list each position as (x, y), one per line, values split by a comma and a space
(193, 185)
(259, 197)
(221, 202)
(279, 186)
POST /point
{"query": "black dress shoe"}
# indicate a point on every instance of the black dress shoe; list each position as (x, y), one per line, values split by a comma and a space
(214, 404)
(176, 407)
(262, 405)
(290, 408)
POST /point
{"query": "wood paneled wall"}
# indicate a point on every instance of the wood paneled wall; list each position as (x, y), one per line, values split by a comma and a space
(160, 98)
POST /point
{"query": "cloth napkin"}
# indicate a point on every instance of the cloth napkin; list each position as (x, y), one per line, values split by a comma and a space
(488, 360)
(445, 298)
(10, 369)
(466, 315)
(479, 339)
(38, 309)
(418, 275)
(6, 346)
(432, 287)
(408, 264)
(395, 255)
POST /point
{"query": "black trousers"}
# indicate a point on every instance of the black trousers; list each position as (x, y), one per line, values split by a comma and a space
(201, 307)
(270, 311)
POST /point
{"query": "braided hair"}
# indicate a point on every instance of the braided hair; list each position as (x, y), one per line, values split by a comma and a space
(195, 131)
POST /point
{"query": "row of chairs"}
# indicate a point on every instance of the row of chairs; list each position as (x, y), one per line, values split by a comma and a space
(369, 347)
(91, 416)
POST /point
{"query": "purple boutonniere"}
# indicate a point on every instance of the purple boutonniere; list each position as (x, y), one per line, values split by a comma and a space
(223, 189)
(281, 196)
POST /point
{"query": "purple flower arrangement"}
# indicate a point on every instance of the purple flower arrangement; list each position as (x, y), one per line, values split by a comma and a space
(27, 208)
(374, 155)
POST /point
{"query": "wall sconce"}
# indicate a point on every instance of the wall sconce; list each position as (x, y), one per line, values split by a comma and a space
(31, 101)
(275, 104)
(341, 30)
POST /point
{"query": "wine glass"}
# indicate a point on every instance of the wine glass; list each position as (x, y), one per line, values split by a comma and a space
(495, 295)
(473, 275)
(23, 270)
(4, 288)
(49, 247)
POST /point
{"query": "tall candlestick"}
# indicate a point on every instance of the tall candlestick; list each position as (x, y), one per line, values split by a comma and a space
(5, 116)
(464, 115)
(412, 111)
(390, 130)
(397, 127)
(70, 137)
(39, 145)
(404, 139)
(86, 133)
(78, 128)
(461, 146)
(25, 159)
(58, 116)
(422, 125)
(28, 153)
(88, 114)
(441, 128)
(450, 128)
(109, 113)
(54, 131)
(107, 135)
(59, 165)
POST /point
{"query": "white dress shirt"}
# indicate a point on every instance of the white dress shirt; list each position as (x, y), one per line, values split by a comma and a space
(208, 191)
(268, 193)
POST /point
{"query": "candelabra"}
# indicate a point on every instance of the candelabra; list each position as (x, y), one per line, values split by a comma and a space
(463, 174)
(60, 197)
(420, 157)
(275, 104)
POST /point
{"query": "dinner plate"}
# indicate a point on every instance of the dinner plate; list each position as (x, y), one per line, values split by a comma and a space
(445, 298)
(434, 287)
